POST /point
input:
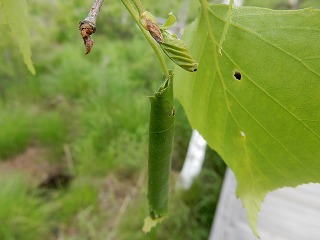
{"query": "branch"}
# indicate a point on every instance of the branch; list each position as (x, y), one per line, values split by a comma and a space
(88, 25)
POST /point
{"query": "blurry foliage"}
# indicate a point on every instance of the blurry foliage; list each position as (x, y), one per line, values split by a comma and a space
(81, 194)
(309, 3)
(23, 215)
(23, 125)
(182, 132)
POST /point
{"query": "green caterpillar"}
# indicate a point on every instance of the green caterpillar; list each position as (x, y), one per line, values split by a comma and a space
(161, 130)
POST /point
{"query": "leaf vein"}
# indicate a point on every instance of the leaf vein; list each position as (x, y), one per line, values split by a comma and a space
(268, 133)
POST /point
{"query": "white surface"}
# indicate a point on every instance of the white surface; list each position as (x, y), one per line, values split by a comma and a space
(236, 2)
(286, 214)
(194, 160)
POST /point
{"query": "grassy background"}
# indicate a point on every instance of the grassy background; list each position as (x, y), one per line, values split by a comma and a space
(87, 116)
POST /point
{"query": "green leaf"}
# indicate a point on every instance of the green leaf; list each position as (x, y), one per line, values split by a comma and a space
(178, 52)
(171, 20)
(161, 131)
(266, 125)
(16, 16)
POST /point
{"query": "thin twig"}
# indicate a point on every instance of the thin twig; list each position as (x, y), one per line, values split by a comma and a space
(88, 24)
(93, 14)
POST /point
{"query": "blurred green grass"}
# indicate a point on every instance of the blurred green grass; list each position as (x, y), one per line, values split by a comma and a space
(23, 215)
(92, 112)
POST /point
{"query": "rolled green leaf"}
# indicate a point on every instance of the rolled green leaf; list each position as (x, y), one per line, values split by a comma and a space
(160, 148)
(178, 52)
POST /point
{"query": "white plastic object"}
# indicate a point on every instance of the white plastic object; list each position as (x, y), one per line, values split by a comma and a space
(194, 160)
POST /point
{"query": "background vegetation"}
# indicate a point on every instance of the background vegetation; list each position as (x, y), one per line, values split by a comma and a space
(82, 121)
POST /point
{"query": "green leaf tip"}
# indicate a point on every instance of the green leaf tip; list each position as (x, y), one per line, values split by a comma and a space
(252, 205)
(171, 20)
(265, 125)
(17, 17)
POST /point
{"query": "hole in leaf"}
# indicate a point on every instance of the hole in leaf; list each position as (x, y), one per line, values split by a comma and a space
(237, 75)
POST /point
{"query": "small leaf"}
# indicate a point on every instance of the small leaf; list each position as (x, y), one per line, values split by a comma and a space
(17, 17)
(171, 20)
(257, 105)
(178, 52)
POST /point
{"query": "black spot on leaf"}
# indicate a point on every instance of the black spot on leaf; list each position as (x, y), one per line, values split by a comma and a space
(237, 75)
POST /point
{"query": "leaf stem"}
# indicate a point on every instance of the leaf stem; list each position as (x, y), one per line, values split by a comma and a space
(139, 6)
(153, 44)
(204, 4)
(226, 26)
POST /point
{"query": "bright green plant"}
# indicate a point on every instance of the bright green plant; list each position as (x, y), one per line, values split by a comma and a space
(254, 96)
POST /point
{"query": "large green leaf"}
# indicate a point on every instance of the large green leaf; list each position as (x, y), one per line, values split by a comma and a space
(266, 125)
(16, 16)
